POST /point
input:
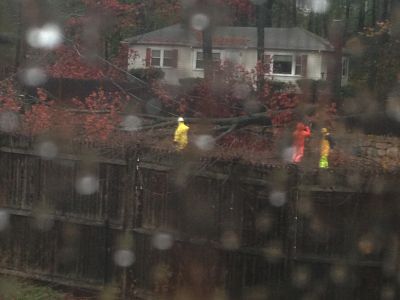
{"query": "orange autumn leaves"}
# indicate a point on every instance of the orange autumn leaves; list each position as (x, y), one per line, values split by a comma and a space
(94, 118)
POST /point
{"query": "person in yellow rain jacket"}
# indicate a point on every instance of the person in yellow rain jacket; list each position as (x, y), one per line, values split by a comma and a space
(326, 145)
(181, 134)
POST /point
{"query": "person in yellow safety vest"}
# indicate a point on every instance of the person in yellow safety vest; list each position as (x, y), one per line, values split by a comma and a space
(181, 134)
(326, 144)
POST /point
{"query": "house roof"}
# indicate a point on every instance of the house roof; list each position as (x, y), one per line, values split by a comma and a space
(236, 37)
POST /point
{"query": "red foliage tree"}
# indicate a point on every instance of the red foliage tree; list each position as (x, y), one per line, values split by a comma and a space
(102, 114)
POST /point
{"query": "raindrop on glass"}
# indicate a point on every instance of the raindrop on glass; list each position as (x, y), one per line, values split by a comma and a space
(87, 185)
(44, 222)
(153, 106)
(200, 22)
(230, 240)
(34, 76)
(366, 245)
(204, 142)
(388, 292)
(241, 90)
(131, 123)
(393, 108)
(162, 241)
(188, 3)
(258, 2)
(338, 274)
(300, 277)
(287, 154)
(48, 37)
(277, 198)
(319, 6)
(8, 121)
(252, 106)
(264, 222)
(124, 258)
(273, 251)
(47, 150)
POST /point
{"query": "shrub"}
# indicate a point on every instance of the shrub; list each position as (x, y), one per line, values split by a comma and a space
(148, 74)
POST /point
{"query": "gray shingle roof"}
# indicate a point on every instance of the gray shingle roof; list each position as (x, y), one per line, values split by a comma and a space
(236, 37)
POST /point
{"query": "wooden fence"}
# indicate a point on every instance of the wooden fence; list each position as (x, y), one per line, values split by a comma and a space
(219, 214)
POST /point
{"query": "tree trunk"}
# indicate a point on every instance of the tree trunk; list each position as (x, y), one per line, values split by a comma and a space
(20, 38)
(310, 24)
(373, 13)
(347, 17)
(294, 13)
(385, 10)
(261, 15)
(361, 16)
(335, 64)
(207, 54)
(279, 22)
(268, 17)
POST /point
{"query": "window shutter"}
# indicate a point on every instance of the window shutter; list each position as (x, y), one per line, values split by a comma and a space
(304, 65)
(175, 58)
(268, 63)
(148, 57)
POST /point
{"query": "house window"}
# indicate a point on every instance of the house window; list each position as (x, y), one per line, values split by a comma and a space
(162, 58)
(199, 64)
(286, 64)
(168, 58)
(282, 64)
(156, 58)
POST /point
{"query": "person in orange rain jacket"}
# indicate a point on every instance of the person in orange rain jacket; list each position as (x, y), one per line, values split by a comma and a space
(299, 135)
(181, 135)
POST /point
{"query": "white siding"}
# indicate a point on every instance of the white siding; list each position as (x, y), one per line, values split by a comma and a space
(314, 64)
(244, 57)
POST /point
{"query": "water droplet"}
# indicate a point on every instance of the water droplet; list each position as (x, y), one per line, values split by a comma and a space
(34, 76)
(241, 90)
(205, 142)
(338, 274)
(48, 37)
(287, 154)
(301, 277)
(131, 123)
(319, 6)
(200, 22)
(124, 258)
(8, 121)
(264, 222)
(393, 108)
(388, 292)
(273, 251)
(230, 240)
(153, 106)
(4, 219)
(44, 222)
(47, 150)
(162, 241)
(188, 3)
(258, 2)
(277, 198)
(87, 185)
(366, 245)
(252, 106)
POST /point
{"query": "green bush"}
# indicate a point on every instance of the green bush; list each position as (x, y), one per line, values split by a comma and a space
(189, 83)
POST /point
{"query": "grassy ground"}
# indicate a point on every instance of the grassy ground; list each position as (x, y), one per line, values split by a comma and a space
(15, 289)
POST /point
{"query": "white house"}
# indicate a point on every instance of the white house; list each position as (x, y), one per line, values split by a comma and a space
(294, 53)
